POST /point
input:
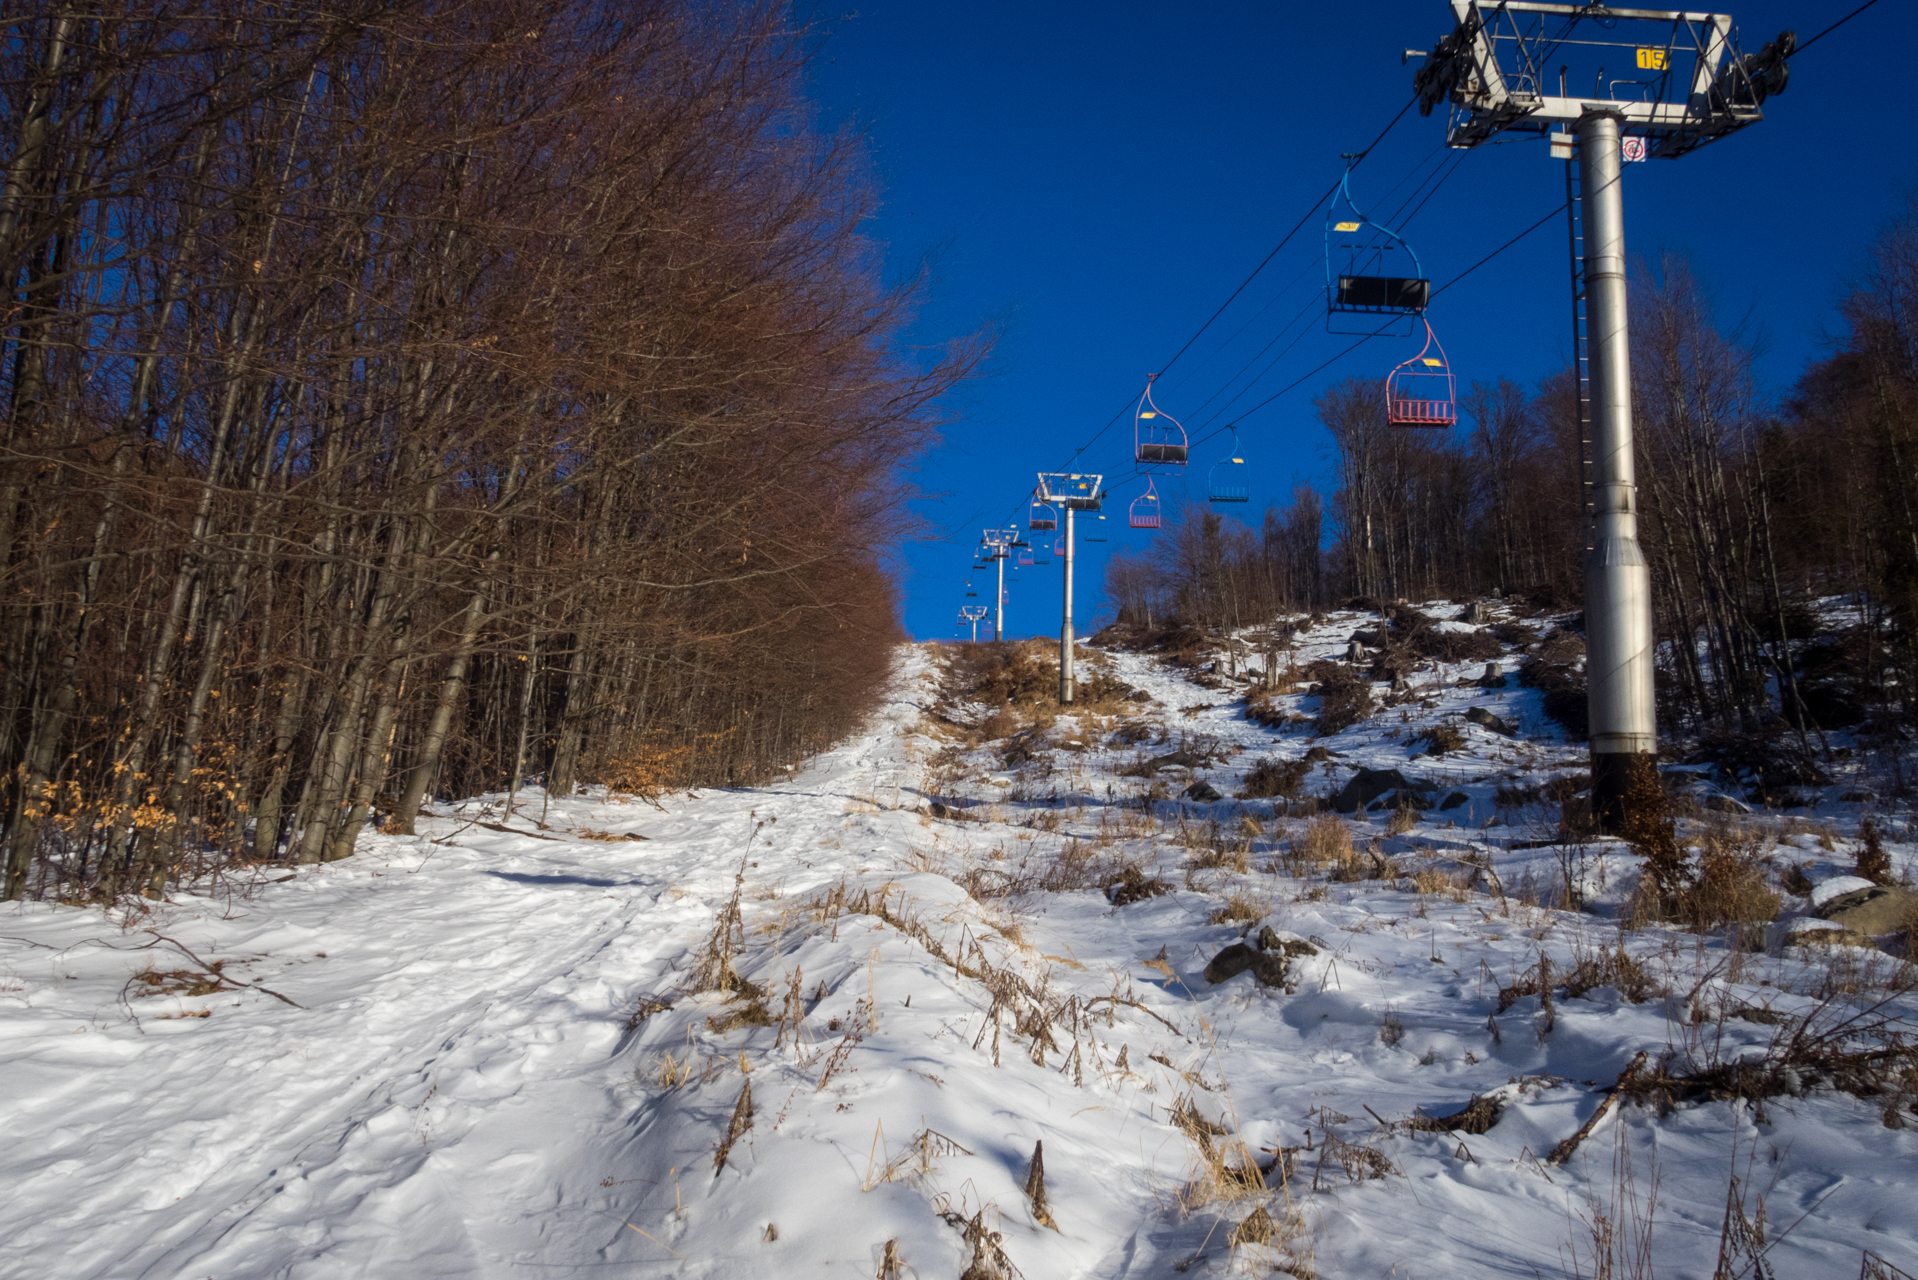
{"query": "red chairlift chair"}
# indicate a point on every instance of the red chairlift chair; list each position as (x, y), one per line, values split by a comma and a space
(1422, 391)
(1144, 512)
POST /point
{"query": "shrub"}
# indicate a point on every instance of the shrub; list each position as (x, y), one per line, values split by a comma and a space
(1874, 864)
(1268, 778)
(1345, 699)
(1458, 646)
(1564, 689)
(1561, 649)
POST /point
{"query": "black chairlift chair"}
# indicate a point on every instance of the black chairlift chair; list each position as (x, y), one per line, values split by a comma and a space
(1374, 284)
(1157, 436)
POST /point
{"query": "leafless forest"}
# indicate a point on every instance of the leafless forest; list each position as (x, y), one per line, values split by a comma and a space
(1750, 512)
(402, 398)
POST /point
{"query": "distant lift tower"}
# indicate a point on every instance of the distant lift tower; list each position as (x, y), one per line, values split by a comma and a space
(994, 544)
(1070, 493)
(1676, 82)
(972, 613)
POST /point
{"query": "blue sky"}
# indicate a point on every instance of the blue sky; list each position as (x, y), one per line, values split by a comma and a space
(1095, 179)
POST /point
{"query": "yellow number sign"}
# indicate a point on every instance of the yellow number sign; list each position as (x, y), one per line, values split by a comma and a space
(1651, 59)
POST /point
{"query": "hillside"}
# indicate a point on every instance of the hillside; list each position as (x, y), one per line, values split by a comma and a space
(829, 1026)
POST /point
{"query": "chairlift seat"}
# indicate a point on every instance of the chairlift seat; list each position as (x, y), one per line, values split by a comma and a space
(1157, 436)
(1144, 512)
(1422, 391)
(1373, 279)
(1220, 481)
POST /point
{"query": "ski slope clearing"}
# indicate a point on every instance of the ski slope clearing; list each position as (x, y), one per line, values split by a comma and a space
(825, 1027)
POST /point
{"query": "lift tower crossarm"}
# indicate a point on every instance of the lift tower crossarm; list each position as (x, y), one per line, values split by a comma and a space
(1492, 68)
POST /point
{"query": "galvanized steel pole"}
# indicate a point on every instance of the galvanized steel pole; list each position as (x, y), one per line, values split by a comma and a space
(1618, 588)
(1065, 629)
(999, 601)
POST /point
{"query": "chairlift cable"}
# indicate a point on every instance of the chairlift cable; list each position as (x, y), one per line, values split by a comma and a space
(1802, 46)
(1285, 240)
(1303, 312)
(1806, 44)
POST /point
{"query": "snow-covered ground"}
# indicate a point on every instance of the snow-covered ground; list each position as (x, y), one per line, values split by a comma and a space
(485, 1050)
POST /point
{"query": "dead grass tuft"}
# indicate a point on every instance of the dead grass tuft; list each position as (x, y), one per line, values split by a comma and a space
(1240, 908)
(1327, 838)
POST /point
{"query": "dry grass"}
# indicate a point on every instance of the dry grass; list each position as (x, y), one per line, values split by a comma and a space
(669, 1072)
(1213, 847)
(1327, 838)
(587, 833)
(1732, 884)
(1454, 886)
(1240, 908)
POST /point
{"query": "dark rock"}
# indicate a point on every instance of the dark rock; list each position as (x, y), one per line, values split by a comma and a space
(1315, 754)
(1453, 801)
(1230, 963)
(1267, 967)
(1368, 785)
(1177, 760)
(1370, 639)
(1203, 792)
(1270, 968)
(1485, 719)
(1270, 940)
(1859, 797)
(939, 809)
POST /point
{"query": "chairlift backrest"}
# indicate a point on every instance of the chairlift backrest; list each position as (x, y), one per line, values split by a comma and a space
(1157, 436)
(1040, 517)
(1224, 482)
(1422, 391)
(1373, 279)
(1144, 513)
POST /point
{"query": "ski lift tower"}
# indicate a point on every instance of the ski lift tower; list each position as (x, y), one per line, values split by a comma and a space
(1070, 493)
(1662, 84)
(993, 545)
(972, 613)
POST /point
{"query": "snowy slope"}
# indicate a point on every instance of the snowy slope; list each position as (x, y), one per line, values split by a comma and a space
(479, 1052)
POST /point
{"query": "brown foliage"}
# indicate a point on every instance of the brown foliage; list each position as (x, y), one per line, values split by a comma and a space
(519, 400)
